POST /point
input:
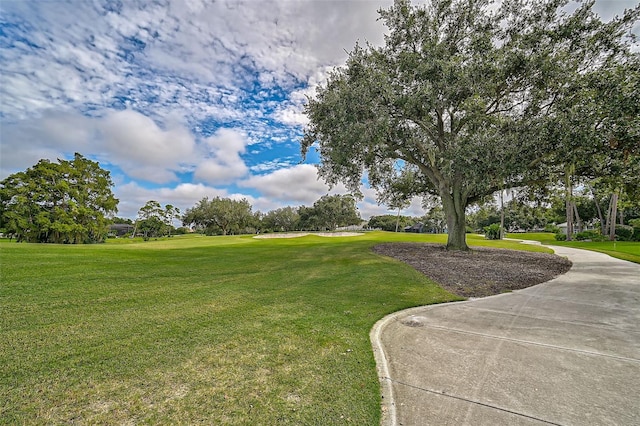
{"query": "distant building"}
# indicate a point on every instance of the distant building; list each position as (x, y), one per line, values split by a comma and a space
(120, 229)
(417, 228)
(577, 227)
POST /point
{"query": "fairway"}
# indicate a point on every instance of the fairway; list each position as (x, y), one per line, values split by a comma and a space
(212, 330)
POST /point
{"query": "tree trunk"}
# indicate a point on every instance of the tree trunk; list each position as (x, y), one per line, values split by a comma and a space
(612, 216)
(576, 216)
(607, 225)
(602, 224)
(454, 209)
(501, 214)
(569, 208)
(621, 214)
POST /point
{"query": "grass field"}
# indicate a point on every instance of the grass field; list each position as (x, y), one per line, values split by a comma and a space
(209, 330)
(626, 250)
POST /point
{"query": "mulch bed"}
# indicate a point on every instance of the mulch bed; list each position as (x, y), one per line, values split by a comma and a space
(479, 272)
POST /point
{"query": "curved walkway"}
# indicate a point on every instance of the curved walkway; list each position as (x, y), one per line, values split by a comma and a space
(565, 352)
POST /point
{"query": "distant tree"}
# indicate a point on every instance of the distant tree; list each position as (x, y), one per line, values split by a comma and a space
(283, 219)
(257, 222)
(520, 215)
(464, 97)
(122, 220)
(155, 221)
(309, 219)
(150, 220)
(330, 212)
(182, 230)
(219, 215)
(388, 222)
(63, 202)
(170, 213)
(483, 216)
(436, 220)
(395, 193)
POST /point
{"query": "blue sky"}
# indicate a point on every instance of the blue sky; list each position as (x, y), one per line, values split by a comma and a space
(180, 99)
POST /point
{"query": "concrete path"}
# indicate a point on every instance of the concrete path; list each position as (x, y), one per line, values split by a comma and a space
(565, 352)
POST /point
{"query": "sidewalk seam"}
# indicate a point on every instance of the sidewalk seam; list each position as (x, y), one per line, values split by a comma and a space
(529, 342)
(483, 404)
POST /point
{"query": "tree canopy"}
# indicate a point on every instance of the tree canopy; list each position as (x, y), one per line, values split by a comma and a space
(390, 222)
(463, 101)
(155, 221)
(223, 216)
(63, 202)
(219, 215)
(329, 212)
(282, 219)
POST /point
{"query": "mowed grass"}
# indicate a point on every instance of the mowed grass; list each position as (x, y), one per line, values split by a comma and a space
(210, 330)
(625, 250)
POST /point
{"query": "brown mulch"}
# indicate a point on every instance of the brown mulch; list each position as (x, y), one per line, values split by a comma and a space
(479, 272)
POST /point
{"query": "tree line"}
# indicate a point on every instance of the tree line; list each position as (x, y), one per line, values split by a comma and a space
(591, 219)
(71, 201)
(527, 212)
(226, 216)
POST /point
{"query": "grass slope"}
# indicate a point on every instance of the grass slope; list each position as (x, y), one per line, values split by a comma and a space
(214, 330)
(625, 250)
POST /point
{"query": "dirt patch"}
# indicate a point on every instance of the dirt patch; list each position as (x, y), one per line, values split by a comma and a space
(479, 272)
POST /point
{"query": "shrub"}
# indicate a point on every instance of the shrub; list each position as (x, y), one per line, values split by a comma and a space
(624, 232)
(581, 236)
(551, 228)
(492, 232)
(592, 235)
(561, 237)
(636, 229)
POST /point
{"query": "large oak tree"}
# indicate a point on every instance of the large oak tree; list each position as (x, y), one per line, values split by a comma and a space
(461, 97)
(63, 202)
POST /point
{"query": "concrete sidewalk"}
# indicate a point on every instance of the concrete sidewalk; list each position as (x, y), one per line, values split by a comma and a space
(565, 352)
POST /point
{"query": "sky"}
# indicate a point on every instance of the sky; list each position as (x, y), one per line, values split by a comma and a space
(181, 99)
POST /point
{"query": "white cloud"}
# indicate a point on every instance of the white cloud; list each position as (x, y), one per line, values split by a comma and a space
(127, 139)
(223, 163)
(268, 166)
(292, 111)
(180, 53)
(51, 136)
(142, 149)
(296, 185)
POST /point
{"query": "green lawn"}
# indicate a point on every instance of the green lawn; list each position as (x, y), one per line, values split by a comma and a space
(211, 330)
(626, 250)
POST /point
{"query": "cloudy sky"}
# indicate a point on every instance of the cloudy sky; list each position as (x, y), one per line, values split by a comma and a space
(179, 99)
